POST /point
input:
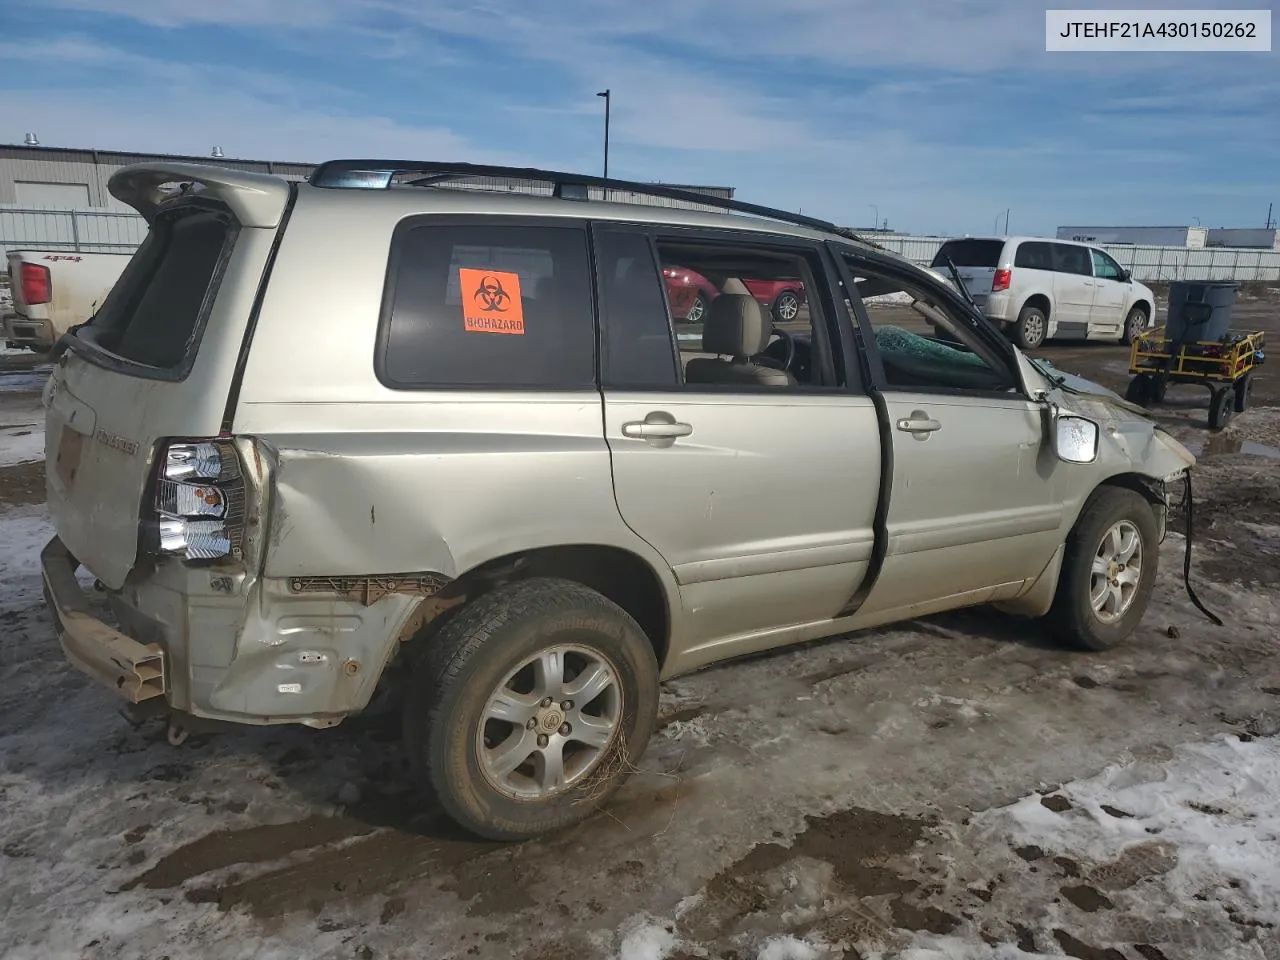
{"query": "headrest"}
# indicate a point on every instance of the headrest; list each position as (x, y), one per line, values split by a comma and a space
(735, 326)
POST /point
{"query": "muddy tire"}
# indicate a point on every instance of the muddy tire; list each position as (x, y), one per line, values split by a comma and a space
(486, 728)
(1101, 597)
(1030, 328)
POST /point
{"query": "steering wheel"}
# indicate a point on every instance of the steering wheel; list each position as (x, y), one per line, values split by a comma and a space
(769, 359)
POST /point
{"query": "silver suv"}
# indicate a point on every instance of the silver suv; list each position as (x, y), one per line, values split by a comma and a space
(374, 431)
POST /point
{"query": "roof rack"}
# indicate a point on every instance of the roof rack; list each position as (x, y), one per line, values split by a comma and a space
(382, 174)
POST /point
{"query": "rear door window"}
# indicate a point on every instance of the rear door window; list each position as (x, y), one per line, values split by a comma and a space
(487, 304)
(970, 253)
(1033, 255)
(156, 312)
(1071, 259)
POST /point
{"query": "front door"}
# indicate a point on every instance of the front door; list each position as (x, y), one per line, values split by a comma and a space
(974, 509)
(758, 485)
(1111, 295)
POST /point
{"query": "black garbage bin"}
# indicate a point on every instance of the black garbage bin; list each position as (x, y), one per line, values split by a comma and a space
(1200, 309)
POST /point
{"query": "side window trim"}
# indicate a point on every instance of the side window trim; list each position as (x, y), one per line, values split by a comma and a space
(872, 353)
(395, 254)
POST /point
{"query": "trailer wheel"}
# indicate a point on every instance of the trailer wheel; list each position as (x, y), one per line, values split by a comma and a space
(1243, 392)
(1221, 407)
(1142, 390)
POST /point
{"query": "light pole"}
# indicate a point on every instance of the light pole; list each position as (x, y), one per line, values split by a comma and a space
(876, 210)
(607, 98)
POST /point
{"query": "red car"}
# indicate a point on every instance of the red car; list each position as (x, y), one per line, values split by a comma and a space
(689, 293)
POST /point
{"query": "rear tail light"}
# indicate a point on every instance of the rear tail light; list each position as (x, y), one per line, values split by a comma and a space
(199, 501)
(36, 285)
(1001, 280)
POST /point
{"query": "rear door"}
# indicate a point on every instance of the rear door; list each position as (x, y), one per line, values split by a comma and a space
(760, 496)
(1073, 289)
(976, 261)
(156, 362)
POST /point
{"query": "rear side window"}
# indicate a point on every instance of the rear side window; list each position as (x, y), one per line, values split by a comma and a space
(1070, 259)
(970, 253)
(488, 305)
(1034, 256)
(156, 312)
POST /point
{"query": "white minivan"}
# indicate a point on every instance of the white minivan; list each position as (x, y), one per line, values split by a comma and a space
(1036, 289)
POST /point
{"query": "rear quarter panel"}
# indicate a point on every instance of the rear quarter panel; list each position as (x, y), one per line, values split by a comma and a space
(370, 480)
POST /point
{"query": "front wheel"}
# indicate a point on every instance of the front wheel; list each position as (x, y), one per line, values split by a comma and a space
(1108, 571)
(787, 307)
(1222, 404)
(698, 311)
(530, 708)
(1134, 324)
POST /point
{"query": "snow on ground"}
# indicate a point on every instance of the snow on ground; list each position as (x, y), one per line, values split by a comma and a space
(21, 444)
(23, 533)
(21, 416)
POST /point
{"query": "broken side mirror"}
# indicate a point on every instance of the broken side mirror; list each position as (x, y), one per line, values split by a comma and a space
(1075, 439)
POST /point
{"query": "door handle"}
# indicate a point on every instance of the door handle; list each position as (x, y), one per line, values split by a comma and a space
(658, 429)
(919, 424)
(648, 430)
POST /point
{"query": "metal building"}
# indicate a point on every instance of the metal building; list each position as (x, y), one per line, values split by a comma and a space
(1248, 238)
(56, 198)
(61, 178)
(1192, 238)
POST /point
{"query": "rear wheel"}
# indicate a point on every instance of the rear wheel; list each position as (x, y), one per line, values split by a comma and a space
(530, 707)
(1030, 328)
(1108, 571)
(698, 312)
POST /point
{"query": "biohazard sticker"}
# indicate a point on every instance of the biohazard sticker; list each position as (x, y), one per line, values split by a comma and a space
(491, 301)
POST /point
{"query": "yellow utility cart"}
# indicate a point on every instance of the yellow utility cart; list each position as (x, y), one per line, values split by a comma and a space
(1225, 366)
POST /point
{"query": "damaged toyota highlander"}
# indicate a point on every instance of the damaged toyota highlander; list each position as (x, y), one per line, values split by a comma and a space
(384, 432)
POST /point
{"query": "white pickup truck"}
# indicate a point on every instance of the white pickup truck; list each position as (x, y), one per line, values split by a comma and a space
(54, 290)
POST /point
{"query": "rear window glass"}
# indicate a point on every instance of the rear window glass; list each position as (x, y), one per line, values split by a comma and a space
(1034, 256)
(155, 313)
(489, 305)
(970, 253)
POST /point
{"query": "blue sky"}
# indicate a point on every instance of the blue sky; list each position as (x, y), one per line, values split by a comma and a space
(941, 114)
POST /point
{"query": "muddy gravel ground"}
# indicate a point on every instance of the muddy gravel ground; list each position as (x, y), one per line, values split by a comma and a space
(950, 787)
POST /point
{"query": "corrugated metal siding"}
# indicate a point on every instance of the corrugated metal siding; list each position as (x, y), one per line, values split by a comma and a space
(101, 232)
(1148, 263)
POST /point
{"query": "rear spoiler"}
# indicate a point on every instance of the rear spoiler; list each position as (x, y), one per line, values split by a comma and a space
(257, 199)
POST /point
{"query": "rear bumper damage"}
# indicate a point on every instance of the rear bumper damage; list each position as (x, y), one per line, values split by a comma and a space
(134, 670)
(210, 645)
